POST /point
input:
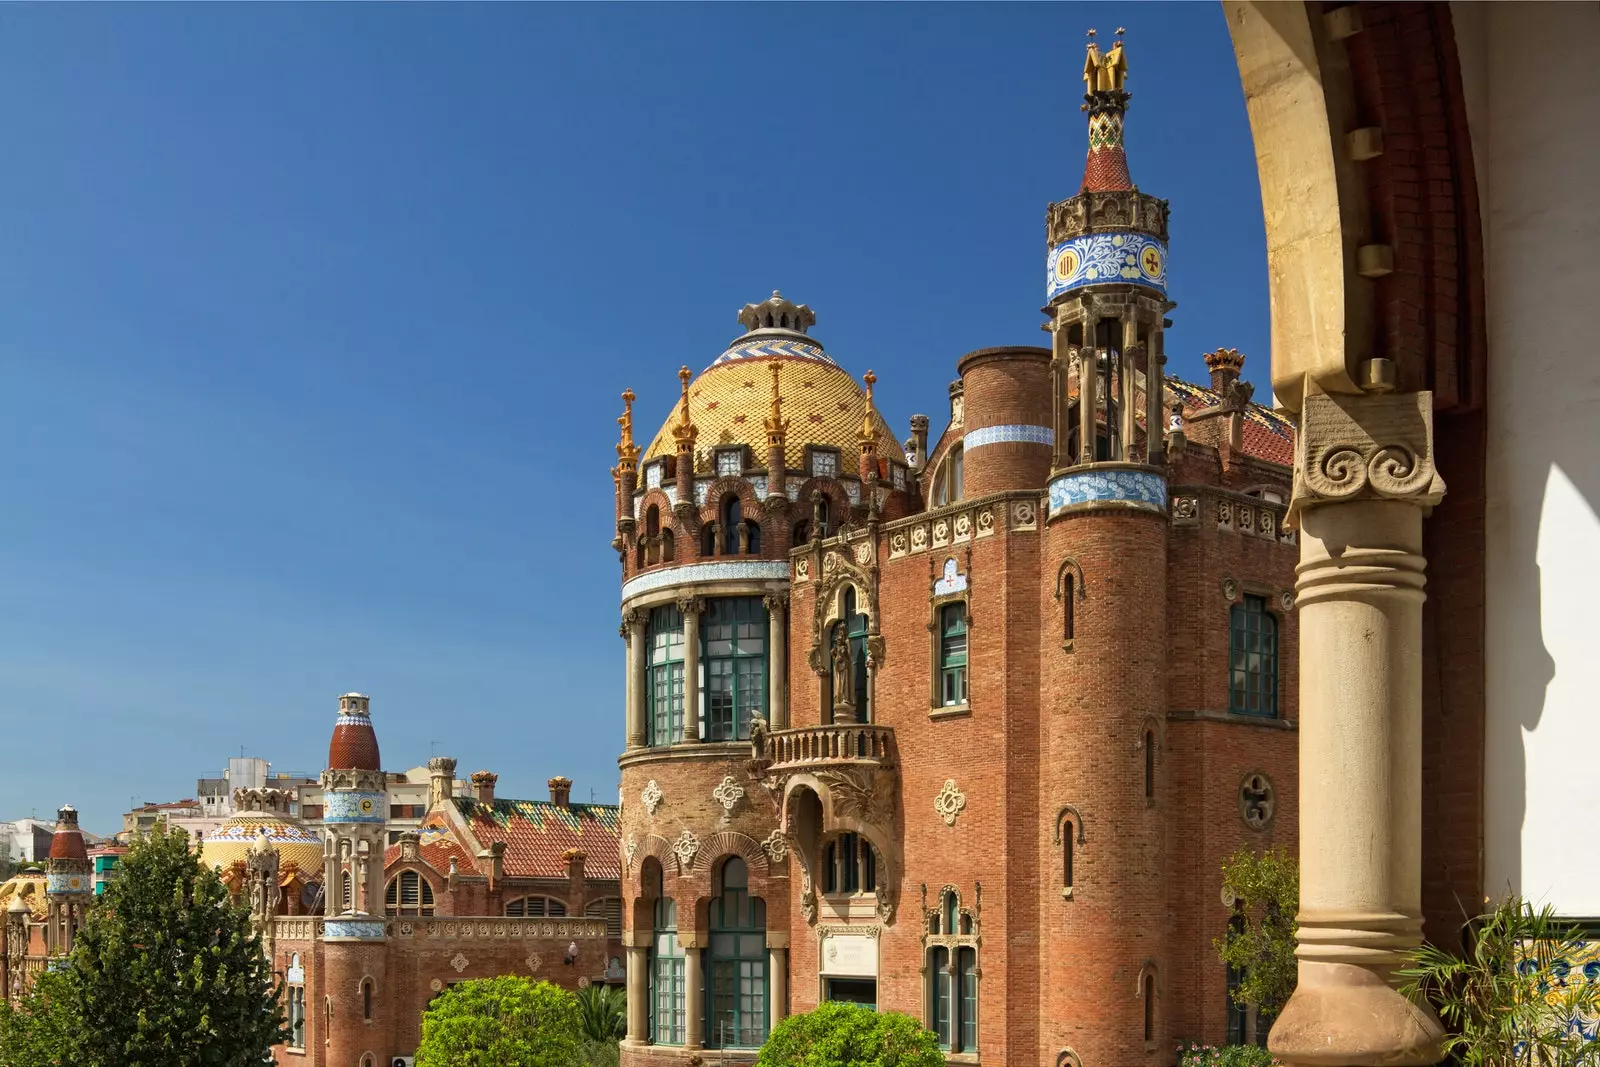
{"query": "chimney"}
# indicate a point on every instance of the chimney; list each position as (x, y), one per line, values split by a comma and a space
(492, 862)
(483, 785)
(575, 880)
(1224, 364)
(441, 780)
(560, 791)
(917, 443)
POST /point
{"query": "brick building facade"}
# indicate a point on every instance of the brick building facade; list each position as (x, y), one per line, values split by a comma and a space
(961, 731)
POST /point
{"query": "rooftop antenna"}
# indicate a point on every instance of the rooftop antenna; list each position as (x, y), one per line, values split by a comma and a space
(433, 748)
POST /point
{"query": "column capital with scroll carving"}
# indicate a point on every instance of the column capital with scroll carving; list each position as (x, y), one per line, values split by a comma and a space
(776, 601)
(1371, 447)
(633, 619)
(691, 605)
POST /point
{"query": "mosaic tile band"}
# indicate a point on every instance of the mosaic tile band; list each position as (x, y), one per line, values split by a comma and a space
(353, 720)
(67, 882)
(994, 435)
(355, 929)
(1098, 258)
(766, 349)
(352, 807)
(761, 571)
(1141, 488)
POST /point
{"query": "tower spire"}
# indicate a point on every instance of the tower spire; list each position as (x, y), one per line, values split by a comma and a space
(627, 451)
(1106, 101)
(684, 433)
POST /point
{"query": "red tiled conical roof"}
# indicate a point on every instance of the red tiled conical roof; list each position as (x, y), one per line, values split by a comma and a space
(67, 844)
(354, 745)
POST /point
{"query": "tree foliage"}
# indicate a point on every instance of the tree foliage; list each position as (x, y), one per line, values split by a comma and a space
(166, 969)
(1526, 991)
(848, 1035)
(603, 1009)
(501, 1022)
(1266, 887)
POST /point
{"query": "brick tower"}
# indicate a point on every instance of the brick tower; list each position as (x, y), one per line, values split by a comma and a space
(1105, 674)
(354, 948)
(70, 887)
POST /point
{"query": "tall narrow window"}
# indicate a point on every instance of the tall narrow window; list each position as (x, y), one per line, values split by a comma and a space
(366, 999)
(1253, 658)
(1067, 583)
(823, 513)
(939, 976)
(948, 908)
(738, 963)
(668, 1017)
(733, 642)
(1149, 764)
(967, 989)
(854, 625)
(664, 676)
(947, 482)
(953, 654)
(1148, 988)
(297, 1006)
(1067, 846)
(732, 521)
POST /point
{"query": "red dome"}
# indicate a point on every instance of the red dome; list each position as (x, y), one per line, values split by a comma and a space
(67, 844)
(354, 745)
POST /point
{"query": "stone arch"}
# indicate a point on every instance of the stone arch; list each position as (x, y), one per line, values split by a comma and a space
(724, 843)
(717, 493)
(1069, 810)
(1068, 1058)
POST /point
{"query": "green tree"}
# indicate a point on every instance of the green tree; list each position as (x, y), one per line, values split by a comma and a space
(848, 1035)
(603, 1009)
(501, 1022)
(1266, 887)
(1514, 995)
(165, 970)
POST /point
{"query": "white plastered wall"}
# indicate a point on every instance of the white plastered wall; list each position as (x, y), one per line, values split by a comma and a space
(1531, 75)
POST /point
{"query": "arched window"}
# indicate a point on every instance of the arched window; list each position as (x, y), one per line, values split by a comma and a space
(609, 909)
(366, 999)
(733, 650)
(664, 676)
(1147, 988)
(947, 906)
(708, 539)
(668, 1019)
(822, 513)
(1253, 658)
(295, 977)
(953, 655)
(967, 990)
(850, 866)
(732, 522)
(537, 907)
(1238, 1014)
(738, 963)
(947, 480)
(408, 894)
(1149, 764)
(854, 627)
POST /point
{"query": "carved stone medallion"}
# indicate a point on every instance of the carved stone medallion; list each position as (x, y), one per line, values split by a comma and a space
(950, 802)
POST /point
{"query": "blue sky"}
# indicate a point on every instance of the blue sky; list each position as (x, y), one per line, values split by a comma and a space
(313, 321)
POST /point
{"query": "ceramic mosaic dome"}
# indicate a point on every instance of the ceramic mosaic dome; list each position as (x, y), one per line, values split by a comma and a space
(730, 399)
(26, 888)
(263, 812)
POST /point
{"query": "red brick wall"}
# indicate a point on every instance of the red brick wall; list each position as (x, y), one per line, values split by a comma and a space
(1005, 387)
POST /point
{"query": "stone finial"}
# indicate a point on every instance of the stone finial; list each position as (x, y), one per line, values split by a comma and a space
(441, 780)
(684, 432)
(1224, 365)
(627, 451)
(777, 425)
(777, 313)
(1104, 72)
(868, 434)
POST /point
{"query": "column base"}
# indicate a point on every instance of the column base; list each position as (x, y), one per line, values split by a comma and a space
(1342, 1015)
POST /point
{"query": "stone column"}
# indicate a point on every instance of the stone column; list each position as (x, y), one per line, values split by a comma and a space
(626, 633)
(1364, 479)
(690, 606)
(777, 661)
(1155, 388)
(1060, 355)
(777, 981)
(638, 994)
(1130, 341)
(694, 1035)
(1088, 388)
(634, 620)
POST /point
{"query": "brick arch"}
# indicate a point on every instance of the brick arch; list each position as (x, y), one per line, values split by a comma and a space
(725, 843)
(751, 507)
(659, 849)
(1068, 1058)
(833, 489)
(1077, 819)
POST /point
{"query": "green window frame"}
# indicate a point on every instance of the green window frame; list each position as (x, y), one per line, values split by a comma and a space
(733, 643)
(737, 991)
(1253, 658)
(664, 676)
(953, 654)
(297, 1017)
(668, 992)
(966, 979)
(939, 975)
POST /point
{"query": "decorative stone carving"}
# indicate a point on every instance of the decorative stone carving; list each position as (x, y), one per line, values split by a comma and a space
(776, 846)
(652, 797)
(854, 797)
(1247, 518)
(1230, 590)
(802, 570)
(1286, 600)
(963, 527)
(459, 961)
(899, 544)
(1185, 510)
(864, 553)
(950, 802)
(985, 522)
(533, 961)
(728, 794)
(1370, 446)
(1257, 801)
(1024, 515)
(941, 532)
(630, 850)
(919, 538)
(830, 564)
(685, 849)
(808, 898)
(1266, 521)
(1225, 514)
(436, 985)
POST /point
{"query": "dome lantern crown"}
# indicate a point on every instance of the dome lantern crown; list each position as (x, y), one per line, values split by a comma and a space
(776, 314)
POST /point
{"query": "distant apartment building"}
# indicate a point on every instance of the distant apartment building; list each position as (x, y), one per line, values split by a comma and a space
(25, 840)
(405, 799)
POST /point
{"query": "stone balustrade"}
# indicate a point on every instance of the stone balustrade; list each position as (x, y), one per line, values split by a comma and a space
(308, 928)
(859, 744)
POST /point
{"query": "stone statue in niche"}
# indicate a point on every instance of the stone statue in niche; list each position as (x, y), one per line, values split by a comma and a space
(844, 678)
(758, 739)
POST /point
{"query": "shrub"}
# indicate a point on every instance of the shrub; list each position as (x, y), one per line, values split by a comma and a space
(1224, 1056)
(848, 1035)
(501, 1022)
(604, 1012)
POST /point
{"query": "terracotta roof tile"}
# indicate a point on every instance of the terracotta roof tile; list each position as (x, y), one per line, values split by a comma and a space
(1267, 435)
(537, 832)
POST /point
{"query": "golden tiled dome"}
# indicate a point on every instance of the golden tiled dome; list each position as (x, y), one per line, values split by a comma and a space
(264, 813)
(27, 886)
(730, 400)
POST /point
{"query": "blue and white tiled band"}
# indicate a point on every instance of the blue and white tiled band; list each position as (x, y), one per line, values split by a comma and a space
(1138, 488)
(994, 435)
(756, 570)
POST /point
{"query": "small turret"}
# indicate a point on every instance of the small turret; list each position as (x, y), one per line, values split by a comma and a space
(867, 436)
(683, 435)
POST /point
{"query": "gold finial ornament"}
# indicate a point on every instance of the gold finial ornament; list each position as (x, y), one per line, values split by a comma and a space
(684, 433)
(627, 451)
(1105, 72)
(777, 425)
(869, 425)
